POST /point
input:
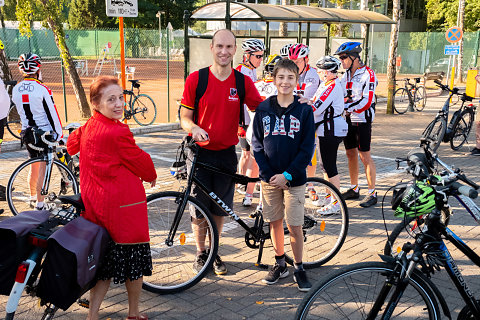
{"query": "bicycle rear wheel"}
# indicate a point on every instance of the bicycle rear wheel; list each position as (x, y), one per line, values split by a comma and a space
(144, 110)
(324, 233)
(435, 132)
(173, 264)
(400, 100)
(350, 293)
(420, 98)
(21, 196)
(461, 128)
(13, 126)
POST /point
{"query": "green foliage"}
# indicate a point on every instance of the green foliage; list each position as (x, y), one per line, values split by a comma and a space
(418, 41)
(442, 15)
(89, 14)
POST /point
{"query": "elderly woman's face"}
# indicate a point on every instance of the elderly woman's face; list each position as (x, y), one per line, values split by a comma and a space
(111, 102)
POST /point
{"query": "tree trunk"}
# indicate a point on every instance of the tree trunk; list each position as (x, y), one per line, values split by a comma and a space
(392, 56)
(460, 20)
(58, 33)
(283, 28)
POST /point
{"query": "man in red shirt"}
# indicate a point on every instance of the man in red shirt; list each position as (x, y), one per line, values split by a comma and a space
(215, 130)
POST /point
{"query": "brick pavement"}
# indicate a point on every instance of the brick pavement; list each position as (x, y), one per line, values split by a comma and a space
(240, 294)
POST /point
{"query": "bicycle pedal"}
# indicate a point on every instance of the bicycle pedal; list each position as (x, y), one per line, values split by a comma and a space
(261, 266)
(84, 303)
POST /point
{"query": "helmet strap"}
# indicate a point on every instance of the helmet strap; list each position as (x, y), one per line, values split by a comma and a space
(247, 61)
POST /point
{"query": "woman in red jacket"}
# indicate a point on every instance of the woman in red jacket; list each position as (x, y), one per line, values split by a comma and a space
(113, 168)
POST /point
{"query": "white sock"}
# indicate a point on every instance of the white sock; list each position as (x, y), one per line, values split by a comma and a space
(40, 204)
(372, 192)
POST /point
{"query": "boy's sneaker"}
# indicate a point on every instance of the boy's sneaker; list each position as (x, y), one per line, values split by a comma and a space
(323, 200)
(351, 194)
(300, 277)
(330, 209)
(475, 152)
(200, 261)
(369, 201)
(247, 201)
(277, 272)
(219, 266)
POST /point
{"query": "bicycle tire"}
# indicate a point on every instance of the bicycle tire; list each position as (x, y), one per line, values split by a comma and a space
(172, 266)
(327, 299)
(13, 126)
(461, 128)
(324, 235)
(435, 132)
(391, 245)
(401, 100)
(144, 110)
(18, 190)
(420, 98)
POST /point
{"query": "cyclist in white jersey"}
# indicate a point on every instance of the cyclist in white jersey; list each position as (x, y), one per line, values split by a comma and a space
(253, 50)
(328, 110)
(35, 105)
(359, 83)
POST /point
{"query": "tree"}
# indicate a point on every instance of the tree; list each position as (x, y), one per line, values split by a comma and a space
(89, 14)
(51, 15)
(283, 26)
(392, 56)
(442, 15)
(460, 24)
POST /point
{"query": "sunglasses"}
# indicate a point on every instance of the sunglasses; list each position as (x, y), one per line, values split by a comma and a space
(258, 56)
(343, 57)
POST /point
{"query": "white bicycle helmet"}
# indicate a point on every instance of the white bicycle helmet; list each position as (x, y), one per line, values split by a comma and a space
(298, 51)
(29, 63)
(328, 63)
(253, 45)
(284, 50)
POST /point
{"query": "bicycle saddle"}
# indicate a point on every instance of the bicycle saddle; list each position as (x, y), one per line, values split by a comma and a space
(75, 200)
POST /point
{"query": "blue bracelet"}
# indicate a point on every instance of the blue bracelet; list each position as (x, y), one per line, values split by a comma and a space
(287, 176)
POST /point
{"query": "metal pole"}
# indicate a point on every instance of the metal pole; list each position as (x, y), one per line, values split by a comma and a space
(367, 37)
(186, 46)
(64, 93)
(475, 52)
(308, 34)
(228, 19)
(299, 36)
(168, 75)
(267, 39)
(327, 43)
(122, 56)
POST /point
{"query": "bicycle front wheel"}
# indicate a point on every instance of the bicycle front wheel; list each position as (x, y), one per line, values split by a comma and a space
(173, 262)
(22, 189)
(325, 224)
(351, 292)
(401, 101)
(13, 126)
(420, 98)
(435, 132)
(461, 128)
(144, 110)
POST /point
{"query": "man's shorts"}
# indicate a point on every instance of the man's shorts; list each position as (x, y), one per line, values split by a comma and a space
(359, 136)
(222, 185)
(279, 204)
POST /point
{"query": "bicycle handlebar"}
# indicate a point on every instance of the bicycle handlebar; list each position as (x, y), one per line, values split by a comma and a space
(455, 90)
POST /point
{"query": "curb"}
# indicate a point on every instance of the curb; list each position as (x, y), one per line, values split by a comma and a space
(15, 145)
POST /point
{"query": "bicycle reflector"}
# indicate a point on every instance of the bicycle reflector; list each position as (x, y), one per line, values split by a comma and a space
(34, 241)
(22, 272)
(183, 238)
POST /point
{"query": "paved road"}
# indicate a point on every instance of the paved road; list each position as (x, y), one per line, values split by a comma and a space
(240, 294)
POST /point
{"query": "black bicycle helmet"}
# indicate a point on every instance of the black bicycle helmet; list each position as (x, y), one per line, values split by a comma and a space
(29, 63)
(328, 63)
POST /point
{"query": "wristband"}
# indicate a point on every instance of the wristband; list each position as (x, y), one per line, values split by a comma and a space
(1, 140)
(287, 176)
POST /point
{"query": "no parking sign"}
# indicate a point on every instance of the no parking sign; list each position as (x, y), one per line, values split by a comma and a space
(454, 34)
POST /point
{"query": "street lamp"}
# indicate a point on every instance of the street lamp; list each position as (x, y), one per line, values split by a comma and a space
(159, 16)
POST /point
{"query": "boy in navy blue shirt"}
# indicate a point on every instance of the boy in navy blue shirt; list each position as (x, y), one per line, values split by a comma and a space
(283, 144)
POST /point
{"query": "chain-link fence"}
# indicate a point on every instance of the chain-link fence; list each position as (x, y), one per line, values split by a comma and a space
(97, 52)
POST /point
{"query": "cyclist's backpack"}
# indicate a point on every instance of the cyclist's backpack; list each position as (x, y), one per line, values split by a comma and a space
(14, 244)
(73, 258)
(202, 87)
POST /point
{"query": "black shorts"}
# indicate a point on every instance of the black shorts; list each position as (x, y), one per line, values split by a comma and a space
(244, 143)
(359, 136)
(222, 185)
(328, 152)
(3, 123)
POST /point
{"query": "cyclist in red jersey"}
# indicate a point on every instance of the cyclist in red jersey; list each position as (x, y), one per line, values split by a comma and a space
(215, 131)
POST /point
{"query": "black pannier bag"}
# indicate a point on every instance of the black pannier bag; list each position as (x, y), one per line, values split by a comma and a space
(14, 246)
(73, 258)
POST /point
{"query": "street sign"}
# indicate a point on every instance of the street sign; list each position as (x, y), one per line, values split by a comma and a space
(452, 50)
(454, 34)
(121, 8)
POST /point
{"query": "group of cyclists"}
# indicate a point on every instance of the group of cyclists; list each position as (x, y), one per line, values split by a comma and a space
(344, 110)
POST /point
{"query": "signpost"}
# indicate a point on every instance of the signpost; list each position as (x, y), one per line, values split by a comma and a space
(453, 35)
(452, 50)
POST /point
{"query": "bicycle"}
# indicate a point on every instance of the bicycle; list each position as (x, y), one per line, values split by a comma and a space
(140, 106)
(459, 126)
(23, 302)
(410, 95)
(172, 240)
(60, 178)
(14, 126)
(397, 287)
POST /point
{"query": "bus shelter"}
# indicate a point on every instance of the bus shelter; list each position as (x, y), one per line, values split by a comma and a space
(228, 12)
